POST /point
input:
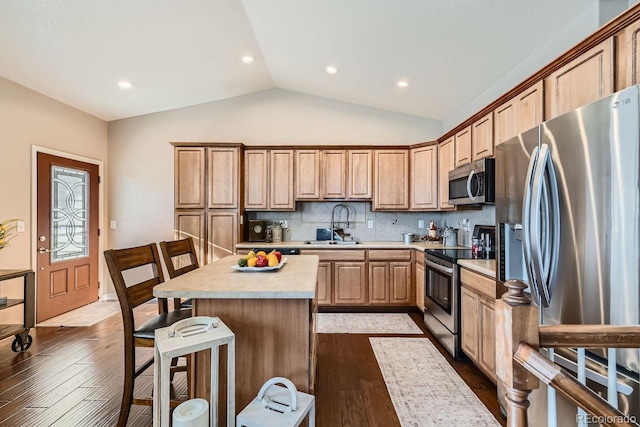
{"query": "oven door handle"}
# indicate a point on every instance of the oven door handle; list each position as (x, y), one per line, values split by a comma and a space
(438, 267)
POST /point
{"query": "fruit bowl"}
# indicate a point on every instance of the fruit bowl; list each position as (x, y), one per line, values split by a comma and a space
(259, 269)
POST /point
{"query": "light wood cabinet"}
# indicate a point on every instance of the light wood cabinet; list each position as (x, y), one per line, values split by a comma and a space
(268, 180)
(334, 174)
(482, 138)
(463, 147)
(390, 277)
(360, 174)
(424, 178)
(391, 180)
(189, 177)
(519, 114)
(349, 283)
(308, 174)
(223, 174)
(321, 174)
(192, 224)
(446, 163)
(420, 285)
(631, 55)
(256, 180)
(478, 320)
(583, 80)
(281, 180)
(222, 234)
(325, 293)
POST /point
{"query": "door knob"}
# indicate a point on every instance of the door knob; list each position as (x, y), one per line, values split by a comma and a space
(44, 250)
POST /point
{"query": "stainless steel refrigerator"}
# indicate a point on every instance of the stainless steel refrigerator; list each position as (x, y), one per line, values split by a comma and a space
(568, 223)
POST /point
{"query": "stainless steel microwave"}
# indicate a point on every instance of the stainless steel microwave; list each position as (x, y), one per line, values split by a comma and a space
(473, 183)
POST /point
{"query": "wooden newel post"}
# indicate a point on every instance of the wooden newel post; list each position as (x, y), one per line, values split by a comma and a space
(516, 322)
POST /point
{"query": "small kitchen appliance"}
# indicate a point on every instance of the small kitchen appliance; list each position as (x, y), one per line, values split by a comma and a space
(257, 229)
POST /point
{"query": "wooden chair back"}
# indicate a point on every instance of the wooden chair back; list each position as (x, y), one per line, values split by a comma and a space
(177, 248)
(133, 295)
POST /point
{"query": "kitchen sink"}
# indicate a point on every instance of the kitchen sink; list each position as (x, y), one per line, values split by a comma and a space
(329, 242)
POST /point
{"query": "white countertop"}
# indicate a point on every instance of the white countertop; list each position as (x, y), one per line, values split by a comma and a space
(482, 266)
(362, 245)
(295, 280)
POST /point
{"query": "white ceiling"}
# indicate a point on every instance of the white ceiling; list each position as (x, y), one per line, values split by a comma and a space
(181, 53)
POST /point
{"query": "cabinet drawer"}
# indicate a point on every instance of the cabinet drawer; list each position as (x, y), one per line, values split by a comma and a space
(419, 257)
(335, 254)
(479, 283)
(389, 255)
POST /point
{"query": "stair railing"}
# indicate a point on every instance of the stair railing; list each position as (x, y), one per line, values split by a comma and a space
(521, 367)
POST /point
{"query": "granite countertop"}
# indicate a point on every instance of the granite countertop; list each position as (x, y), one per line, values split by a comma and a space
(482, 266)
(295, 280)
(362, 245)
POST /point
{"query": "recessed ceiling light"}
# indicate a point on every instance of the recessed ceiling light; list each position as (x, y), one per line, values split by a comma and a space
(248, 59)
(125, 84)
(332, 70)
(402, 84)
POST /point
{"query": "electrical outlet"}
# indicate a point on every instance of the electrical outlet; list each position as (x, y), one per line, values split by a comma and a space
(113, 224)
(370, 223)
(421, 223)
(20, 226)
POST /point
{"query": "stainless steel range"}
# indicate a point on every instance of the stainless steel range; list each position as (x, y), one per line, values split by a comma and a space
(442, 291)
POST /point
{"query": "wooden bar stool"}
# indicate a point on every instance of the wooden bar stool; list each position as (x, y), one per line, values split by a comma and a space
(277, 406)
(190, 336)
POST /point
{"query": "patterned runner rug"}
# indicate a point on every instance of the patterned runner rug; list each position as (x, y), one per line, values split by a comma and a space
(366, 323)
(424, 388)
(87, 315)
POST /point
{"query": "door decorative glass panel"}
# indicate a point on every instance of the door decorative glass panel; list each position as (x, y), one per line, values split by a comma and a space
(69, 213)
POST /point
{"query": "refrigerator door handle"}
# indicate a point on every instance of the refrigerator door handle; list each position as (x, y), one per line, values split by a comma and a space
(545, 253)
(526, 217)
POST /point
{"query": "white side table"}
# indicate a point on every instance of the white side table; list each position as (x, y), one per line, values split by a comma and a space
(277, 406)
(189, 336)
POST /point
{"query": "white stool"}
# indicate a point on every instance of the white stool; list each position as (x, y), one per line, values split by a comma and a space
(189, 336)
(272, 410)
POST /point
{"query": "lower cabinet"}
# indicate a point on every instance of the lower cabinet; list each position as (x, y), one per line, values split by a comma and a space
(364, 277)
(478, 321)
(420, 280)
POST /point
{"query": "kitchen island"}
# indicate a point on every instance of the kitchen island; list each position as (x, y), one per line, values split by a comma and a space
(271, 313)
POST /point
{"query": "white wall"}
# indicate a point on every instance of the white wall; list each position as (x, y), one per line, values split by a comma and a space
(571, 34)
(141, 158)
(28, 118)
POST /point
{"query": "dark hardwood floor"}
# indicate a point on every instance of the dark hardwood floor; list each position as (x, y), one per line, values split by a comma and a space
(73, 377)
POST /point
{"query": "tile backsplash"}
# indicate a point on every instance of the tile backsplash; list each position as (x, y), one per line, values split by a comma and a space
(387, 226)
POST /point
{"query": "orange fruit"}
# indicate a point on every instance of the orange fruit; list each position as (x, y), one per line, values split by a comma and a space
(263, 253)
(251, 262)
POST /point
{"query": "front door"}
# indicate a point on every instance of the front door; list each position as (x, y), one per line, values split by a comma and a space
(67, 235)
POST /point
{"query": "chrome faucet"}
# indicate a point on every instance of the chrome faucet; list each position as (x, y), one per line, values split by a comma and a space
(333, 218)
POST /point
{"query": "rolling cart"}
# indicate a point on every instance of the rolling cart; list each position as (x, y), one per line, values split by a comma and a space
(22, 339)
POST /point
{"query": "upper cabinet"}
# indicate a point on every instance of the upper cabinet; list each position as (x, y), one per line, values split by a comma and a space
(334, 174)
(308, 174)
(360, 174)
(424, 178)
(268, 180)
(463, 147)
(482, 138)
(325, 174)
(391, 179)
(583, 80)
(189, 177)
(223, 173)
(632, 54)
(446, 163)
(519, 114)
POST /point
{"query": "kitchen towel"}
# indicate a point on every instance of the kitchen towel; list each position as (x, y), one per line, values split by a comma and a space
(425, 390)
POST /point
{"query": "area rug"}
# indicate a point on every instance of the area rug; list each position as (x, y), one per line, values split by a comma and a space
(424, 388)
(366, 323)
(87, 315)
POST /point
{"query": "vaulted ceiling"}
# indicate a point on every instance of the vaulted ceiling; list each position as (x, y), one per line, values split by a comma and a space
(180, 53)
